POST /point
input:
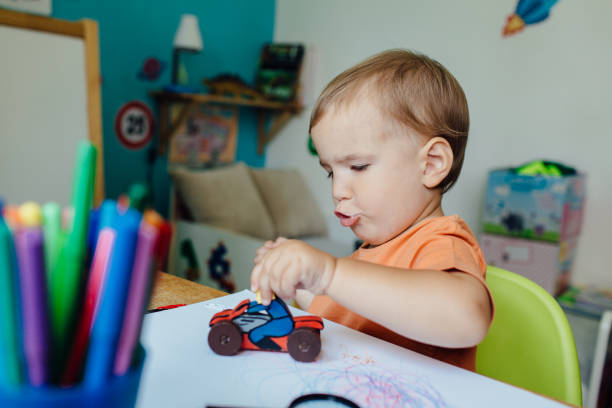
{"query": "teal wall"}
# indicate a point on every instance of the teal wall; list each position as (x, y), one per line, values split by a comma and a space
(130, 31)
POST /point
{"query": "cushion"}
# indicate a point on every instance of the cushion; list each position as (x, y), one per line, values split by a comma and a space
(225, 197)
(290, 202)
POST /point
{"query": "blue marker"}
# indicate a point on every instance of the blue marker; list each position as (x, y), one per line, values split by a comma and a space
(93, 230)
(105, 216)
(107, 326)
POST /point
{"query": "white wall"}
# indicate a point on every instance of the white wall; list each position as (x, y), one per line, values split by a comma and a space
(544, 93)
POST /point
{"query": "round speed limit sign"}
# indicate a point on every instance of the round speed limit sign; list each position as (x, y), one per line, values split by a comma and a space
(134, 125)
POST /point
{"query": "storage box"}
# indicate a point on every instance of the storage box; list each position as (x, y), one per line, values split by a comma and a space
(544, 208)
(547, 264)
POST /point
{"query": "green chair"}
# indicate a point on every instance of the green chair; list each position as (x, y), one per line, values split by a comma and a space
(530, 343)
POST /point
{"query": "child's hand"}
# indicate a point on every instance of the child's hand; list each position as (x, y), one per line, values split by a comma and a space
(282, 267)
(268, 245)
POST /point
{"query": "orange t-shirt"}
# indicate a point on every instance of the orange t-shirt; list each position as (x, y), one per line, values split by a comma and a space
(440, 243)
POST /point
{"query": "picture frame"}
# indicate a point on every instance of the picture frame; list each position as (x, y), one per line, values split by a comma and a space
(208, 137)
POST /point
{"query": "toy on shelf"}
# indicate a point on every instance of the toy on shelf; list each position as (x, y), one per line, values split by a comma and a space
(254, 326)
(278, 71)
(541, 200)
(232, 85)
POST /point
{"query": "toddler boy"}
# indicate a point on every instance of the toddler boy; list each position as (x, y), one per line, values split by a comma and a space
(391, 134)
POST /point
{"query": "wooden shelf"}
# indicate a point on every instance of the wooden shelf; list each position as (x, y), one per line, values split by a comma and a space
(272, 115)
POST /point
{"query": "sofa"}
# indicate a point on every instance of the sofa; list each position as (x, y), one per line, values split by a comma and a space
(222, 215)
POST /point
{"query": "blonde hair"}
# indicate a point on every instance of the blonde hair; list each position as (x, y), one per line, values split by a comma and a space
(414, 90)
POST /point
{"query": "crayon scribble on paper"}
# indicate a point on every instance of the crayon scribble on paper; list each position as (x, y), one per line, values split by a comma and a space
(355, 376)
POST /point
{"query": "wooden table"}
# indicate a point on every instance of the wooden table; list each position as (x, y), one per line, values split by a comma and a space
(171, 290)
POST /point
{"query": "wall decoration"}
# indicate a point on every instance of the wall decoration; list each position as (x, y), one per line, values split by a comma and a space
(527, 12)
(134, 125)
(219, 268)
(192, 271)
(208, 136)
(151, 69)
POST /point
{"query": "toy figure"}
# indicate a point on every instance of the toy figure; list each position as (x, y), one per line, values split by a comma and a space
(280, 324)
(219, 268)
(254, 326)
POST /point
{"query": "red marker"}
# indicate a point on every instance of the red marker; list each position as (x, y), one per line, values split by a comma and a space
(162, 308)
(99, 266)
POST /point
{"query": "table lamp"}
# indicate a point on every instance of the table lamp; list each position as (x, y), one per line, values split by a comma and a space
(187, 38)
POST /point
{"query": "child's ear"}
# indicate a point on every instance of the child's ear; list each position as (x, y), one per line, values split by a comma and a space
(436, 158)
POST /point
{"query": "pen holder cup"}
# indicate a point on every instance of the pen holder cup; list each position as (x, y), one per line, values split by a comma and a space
(118, 392)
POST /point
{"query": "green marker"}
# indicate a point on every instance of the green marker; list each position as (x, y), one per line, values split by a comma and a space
(138, 194)
(52, 229)
(68, 271)
(10, 376)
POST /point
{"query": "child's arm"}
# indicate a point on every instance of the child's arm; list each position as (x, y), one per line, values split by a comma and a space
(447, 309)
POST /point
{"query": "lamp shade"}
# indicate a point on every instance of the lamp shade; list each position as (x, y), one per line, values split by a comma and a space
(188, 35)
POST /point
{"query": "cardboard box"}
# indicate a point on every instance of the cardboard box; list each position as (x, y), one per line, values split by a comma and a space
(547, 264)
(543, 208)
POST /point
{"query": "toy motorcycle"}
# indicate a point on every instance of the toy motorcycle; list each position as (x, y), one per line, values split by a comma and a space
(252, 326)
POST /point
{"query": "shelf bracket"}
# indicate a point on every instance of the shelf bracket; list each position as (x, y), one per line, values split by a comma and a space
(275, 124)
(168, 130)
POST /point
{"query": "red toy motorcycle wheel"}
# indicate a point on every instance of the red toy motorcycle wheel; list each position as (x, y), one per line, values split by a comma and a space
(225, 338)
(304, 344)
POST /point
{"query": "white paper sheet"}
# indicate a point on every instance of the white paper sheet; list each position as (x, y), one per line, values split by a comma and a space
(182, 371)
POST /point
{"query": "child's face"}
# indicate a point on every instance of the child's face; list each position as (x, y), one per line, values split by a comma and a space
(375, 170)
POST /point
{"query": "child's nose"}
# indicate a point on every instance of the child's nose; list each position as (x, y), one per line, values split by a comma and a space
(341, 189)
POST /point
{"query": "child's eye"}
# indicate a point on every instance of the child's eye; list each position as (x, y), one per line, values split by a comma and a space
(359, 167)
(330, 174)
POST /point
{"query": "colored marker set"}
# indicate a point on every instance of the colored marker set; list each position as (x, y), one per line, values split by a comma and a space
(73, 293)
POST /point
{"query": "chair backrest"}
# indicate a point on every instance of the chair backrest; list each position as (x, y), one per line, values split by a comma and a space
(530, 343)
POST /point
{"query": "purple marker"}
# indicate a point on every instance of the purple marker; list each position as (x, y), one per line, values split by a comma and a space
(135, 306)
(30, 258)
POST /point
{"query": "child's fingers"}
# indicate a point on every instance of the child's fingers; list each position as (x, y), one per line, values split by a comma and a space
(258, 258)
(265, 290)
(283, 276)
(282, 280)
(275, 286)
(271, 272)
(280, 240)
(255, 273)
(275, 243)
(287, 285)
(262, 250)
